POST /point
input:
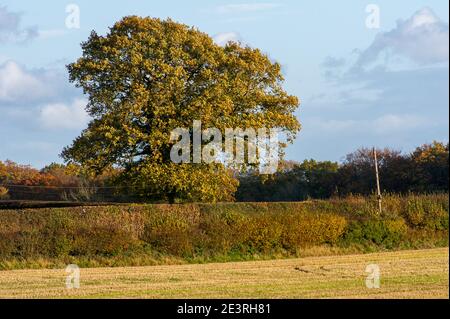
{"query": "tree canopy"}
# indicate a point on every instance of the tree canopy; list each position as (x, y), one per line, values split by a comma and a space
(147, 77)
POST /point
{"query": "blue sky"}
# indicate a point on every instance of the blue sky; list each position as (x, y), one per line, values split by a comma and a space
(359, 86)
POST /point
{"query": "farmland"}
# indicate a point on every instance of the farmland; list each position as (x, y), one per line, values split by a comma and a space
(312, 249)
(403, 274)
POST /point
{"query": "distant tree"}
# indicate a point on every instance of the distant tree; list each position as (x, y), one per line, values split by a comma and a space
(287, 166)
(60, 174)
(357, 173)
(147, 77)
(13, 173)
(317, 179)
(294, 181)
(431, 167)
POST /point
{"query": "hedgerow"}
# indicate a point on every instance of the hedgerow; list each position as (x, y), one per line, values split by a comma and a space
(242, 230)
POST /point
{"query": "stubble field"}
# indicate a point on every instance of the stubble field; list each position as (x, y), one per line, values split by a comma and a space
(403, 274)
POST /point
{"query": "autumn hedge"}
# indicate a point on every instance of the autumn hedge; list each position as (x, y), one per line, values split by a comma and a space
(189, 231)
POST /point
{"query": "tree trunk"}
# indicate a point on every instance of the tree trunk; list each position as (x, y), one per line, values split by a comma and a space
(171, 197)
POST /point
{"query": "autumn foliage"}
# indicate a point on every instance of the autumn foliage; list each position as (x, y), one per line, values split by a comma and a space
(147, 77)
(53, 182)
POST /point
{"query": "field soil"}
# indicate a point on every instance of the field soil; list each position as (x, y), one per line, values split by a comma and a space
(403, 274)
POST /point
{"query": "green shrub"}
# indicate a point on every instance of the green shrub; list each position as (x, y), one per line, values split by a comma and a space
(385, 233)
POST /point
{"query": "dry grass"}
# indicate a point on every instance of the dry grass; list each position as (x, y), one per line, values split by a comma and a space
(404, 274)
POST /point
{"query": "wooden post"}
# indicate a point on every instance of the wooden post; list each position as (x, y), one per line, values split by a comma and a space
(378, 180)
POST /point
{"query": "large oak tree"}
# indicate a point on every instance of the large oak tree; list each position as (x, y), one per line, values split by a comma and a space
(147, 77)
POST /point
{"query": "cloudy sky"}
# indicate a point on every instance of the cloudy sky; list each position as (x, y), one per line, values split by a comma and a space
(368, 73)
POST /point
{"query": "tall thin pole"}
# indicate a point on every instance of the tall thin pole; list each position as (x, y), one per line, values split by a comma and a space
(378, 179)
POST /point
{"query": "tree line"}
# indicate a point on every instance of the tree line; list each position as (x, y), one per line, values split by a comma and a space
(56, 182)
(425, 170)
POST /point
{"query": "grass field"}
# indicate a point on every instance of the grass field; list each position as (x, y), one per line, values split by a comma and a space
(403, 274)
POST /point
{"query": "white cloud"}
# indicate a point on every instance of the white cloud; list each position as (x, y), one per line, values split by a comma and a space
(18, 84)
(223, 38)
(22, 86)
(246, 7)
(423, 39)
(10, 29)
(64, 116)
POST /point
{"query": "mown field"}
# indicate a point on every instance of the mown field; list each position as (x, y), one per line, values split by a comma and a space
(403, 274)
